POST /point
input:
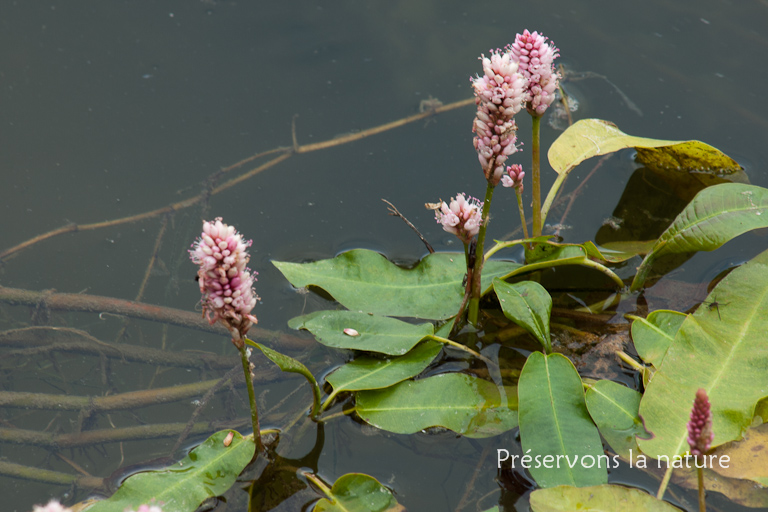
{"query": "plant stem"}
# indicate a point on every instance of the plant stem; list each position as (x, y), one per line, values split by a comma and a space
(502, 245)
(519, 195)
(474, 300)
(465, 348)
(320, 485)
(535, 172)
(664, 483)
(702, 493)
(552, 194)
(251, 398)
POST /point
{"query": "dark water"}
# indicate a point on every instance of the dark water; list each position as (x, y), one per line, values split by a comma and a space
(110, 109)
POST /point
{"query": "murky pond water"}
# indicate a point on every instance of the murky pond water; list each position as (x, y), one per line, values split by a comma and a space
(112, 110)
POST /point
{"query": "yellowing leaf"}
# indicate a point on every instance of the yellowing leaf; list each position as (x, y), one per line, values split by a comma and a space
(594, 137)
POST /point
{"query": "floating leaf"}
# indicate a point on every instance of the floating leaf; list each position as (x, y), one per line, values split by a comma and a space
(726, 355)
(376, 334)
(742, 492)
(555, 425)
(653, 335)
(363, 280)
(373, 373)
(592, 137)
(208, 471)
(529, 305)
(598, 498)
(356, 492)
(462, 403)
(614, 408)
(747, 456)
(716, 215)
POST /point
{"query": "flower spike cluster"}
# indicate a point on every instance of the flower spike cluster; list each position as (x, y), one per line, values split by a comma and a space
(225, 282)
(500, 94)
(462, 217)
(700, 432)
(514, 177)
(535, 58)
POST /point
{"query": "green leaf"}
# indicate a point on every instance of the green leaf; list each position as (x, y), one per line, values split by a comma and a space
(209, 470)
(375, 333)
(291, 365)
(726, 355)
(363, 280)
(462, 403)
(599, 498)
(529, 305)
(555, 425)
(592, 137)
(653, 335)
(716, 215)
(373, 373)
(614, 409)
(549, 254)
(617, 254)
(356, 492)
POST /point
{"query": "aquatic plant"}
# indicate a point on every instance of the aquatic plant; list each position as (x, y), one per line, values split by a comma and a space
(416, 335)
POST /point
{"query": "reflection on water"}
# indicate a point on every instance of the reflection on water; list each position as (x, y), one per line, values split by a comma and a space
(115, 110)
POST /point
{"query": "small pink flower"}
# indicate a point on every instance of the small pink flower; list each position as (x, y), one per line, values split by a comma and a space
(500, 94)
(225, 282)
(535, 58)
(462, 217)
(514, 177)
(700, 433)
(52, 506)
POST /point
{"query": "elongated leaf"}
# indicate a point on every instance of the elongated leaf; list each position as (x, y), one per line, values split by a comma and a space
(529, 305)
(374, 333)
(555, 425)
(209, 470)
(291, 365)
(653, 335)
(363, 280)
(614, 409)
(598, 498)
(374, 373)
(462, 403)
(726, 355)
(356, 492)
(592, 137)
(716, 215)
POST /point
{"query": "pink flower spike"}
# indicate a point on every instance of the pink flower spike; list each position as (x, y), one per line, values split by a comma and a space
(514, 177)
(700, 434)
(535, 58)
(225, 282)
(499, 94)
(462, 217)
